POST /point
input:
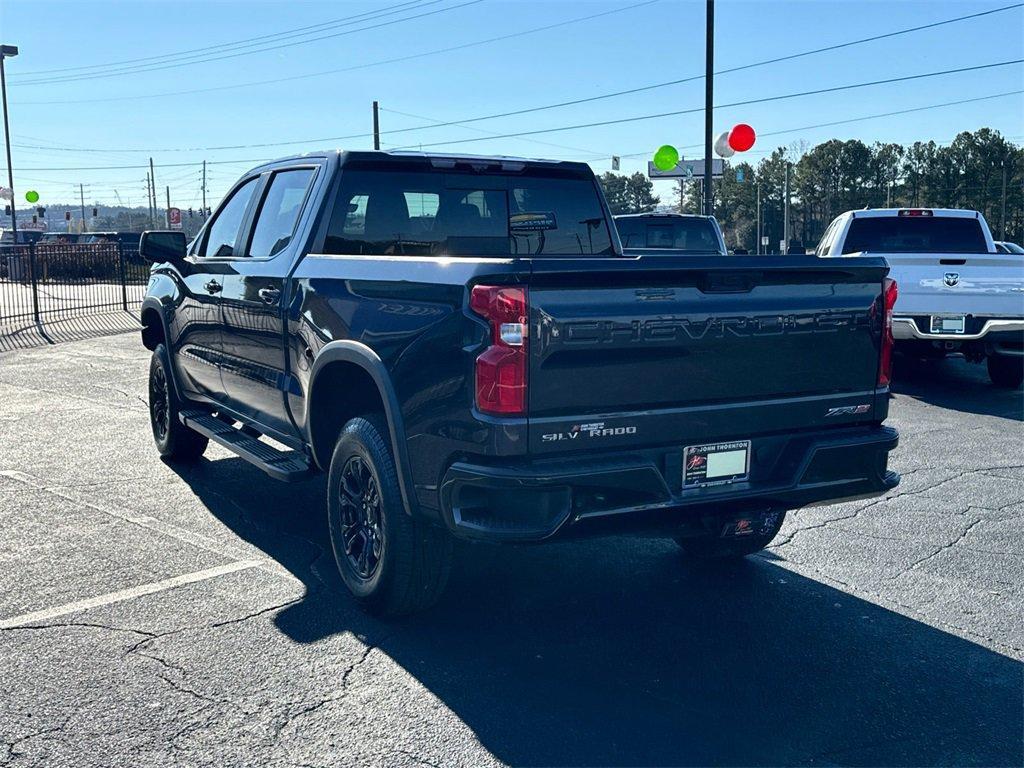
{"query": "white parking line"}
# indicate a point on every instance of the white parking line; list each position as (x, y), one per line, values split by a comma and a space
(127, 594)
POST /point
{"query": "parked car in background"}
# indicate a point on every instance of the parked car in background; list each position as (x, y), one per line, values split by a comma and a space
(1006, 247)
(462, 345)
(957, 292)
(25, 236)
(129, 240)
(60, 237)
(681, 233)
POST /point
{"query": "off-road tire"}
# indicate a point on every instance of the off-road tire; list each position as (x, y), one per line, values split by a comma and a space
(174, 440)
(712, 547)
(1006, 371)
(414, 558)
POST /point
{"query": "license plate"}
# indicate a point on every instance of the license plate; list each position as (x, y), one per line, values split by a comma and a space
(715, 463)
(947, 324)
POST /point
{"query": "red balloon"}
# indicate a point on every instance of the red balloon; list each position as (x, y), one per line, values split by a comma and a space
(741, 137)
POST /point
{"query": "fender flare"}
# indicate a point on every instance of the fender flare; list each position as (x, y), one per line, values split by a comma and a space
(151, 302)
(348, 351)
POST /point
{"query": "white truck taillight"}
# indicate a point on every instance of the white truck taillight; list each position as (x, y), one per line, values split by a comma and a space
(501, 368)
(889, 293)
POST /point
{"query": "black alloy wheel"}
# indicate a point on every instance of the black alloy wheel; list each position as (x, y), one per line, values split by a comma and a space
(361, 529)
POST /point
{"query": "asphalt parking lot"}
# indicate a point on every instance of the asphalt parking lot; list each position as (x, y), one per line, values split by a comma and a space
(159, 615)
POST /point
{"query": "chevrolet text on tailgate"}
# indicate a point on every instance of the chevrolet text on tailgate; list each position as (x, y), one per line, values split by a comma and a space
(957, 292)
(463, 346)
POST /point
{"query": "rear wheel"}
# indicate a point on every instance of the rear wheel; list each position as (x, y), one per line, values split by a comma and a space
(716, 547)
(1006, 371)
(173, 439)
(391, 563)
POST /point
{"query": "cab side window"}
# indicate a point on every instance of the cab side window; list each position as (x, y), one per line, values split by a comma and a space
(222, 238)
(826, 239)
(280, 211)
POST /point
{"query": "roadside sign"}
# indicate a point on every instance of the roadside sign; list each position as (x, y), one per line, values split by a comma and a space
(782, 246)
(174, 218)
(739, 175)
(764, 241)
(687, 169)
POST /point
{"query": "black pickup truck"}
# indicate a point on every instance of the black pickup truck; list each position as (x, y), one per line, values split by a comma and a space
(463, 346)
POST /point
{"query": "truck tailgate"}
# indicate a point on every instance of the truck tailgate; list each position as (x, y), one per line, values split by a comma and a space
(981, 284)
(651, 350)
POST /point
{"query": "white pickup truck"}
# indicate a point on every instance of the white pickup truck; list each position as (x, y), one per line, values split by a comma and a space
(957, 293)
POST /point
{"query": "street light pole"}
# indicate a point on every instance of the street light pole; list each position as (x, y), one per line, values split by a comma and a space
(709, 87)
(5, 51)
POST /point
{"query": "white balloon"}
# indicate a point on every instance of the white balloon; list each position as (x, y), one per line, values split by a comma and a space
(722, 148)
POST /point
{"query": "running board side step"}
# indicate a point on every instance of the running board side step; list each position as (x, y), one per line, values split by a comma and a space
(289, 466)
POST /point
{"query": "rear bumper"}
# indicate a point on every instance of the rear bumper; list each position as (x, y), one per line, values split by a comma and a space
(915, 327)
(641, 491)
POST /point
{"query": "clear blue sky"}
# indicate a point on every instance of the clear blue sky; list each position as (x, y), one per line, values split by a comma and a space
(652, 43)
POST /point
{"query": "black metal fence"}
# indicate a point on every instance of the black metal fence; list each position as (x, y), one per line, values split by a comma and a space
(44, 284)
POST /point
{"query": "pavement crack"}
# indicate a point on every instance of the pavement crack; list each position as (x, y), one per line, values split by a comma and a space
(310, 708)
(76, 624)
(939, 550)
(257, 614)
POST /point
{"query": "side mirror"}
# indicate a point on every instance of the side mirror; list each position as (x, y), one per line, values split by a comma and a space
(158, 246)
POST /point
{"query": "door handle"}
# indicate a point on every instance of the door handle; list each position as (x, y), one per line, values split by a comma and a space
(269, 295)
(213, 287)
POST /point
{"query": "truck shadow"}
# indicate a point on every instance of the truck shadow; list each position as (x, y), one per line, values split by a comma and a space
(958, 385)
(615, 651)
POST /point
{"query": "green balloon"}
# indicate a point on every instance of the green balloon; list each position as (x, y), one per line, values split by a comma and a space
(32, 196)
(666, 158)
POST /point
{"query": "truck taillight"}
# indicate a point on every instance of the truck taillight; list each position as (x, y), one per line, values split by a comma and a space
(501, 368)
(889, 293)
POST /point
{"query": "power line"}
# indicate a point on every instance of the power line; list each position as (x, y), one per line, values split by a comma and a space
(541, 29)
(528, 110)
(748, 102)
(248, 162)
(352, 67)
(243, 42)
(264, 49)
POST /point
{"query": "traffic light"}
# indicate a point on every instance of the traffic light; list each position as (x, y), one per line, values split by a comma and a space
(41, 212)
(190, 213)
(67, 215)
(95, 213)
(35, 219)
(7, 210)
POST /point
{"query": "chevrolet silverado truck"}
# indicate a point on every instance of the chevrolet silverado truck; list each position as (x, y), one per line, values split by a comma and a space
(462, 346)
(957, 292)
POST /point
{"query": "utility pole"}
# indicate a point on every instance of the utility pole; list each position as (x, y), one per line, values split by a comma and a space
(785, 214)
(681, 197)
(152, 185)
(167, 210)
(203, 212)
(376, 125)
(1002, 207)
(758, 244)
(709, 87)
(149, 198)
(5, 51)
(81, 192)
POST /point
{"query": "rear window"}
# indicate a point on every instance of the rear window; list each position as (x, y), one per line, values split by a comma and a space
(438, 213)
(917, 234)
(691, 235)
